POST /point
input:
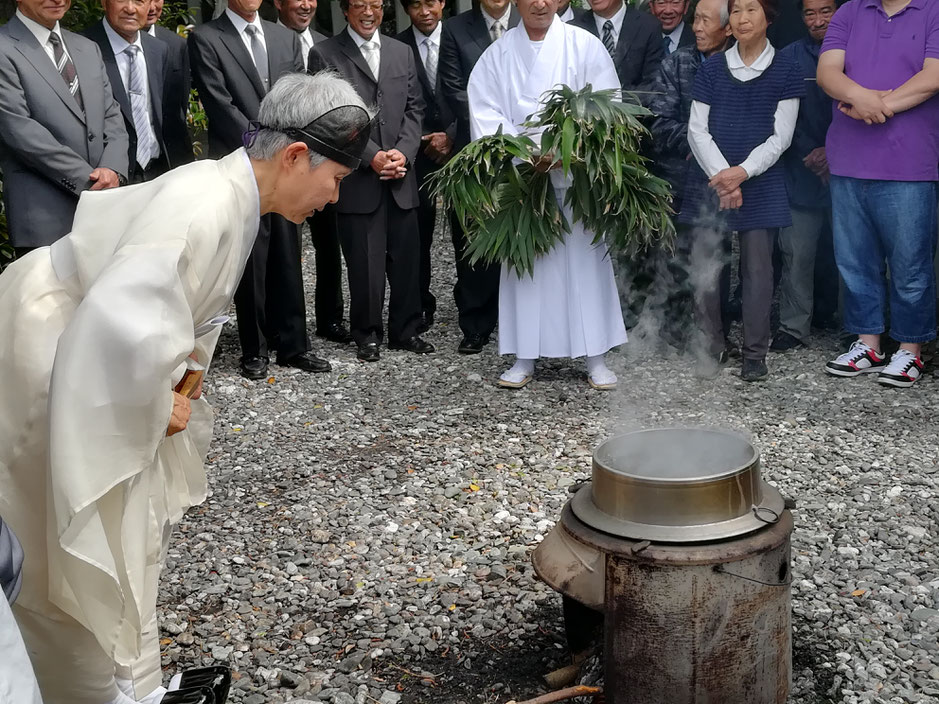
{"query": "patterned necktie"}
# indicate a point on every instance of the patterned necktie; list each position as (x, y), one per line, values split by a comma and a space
(139, 106)
(607, 37)
(430, 63)
(260, 55)
(65, 67)
(372, 56)
(495, 31)
(667, 44)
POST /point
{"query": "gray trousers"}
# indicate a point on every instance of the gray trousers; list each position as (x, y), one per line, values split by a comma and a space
(708, 261)
(798, 245)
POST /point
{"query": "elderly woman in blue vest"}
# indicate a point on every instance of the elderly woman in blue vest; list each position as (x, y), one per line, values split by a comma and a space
(744, 110)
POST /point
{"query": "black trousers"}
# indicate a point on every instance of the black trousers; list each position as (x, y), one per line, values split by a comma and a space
(477, 288)
(269, 300)
(426, 221)
(382, 243)
(324, 232)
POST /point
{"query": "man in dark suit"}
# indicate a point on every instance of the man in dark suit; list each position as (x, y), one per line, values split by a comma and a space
(61, 130)
(377, 208)
(463, 40)
(235, 59)
(298, 16)
(176, 88)
(423, 36)
(633, 38)
(676, 33)
(136, 65)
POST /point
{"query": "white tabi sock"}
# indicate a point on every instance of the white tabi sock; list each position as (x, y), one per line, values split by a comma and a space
(598, 372)
(522, 369)
(126, 695)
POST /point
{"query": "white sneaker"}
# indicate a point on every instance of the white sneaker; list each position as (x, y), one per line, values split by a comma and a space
(903, 371)
(860, 359)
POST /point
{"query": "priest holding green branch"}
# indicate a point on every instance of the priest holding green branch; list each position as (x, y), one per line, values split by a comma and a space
(557, 297)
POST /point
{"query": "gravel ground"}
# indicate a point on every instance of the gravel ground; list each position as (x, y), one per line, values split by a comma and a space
(368, 533)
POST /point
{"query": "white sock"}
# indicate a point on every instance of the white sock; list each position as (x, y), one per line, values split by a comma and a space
(126, 694)
(599, 372)
(522, 369)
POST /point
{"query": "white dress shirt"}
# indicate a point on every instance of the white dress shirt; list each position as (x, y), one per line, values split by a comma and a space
(152, 30)
(361, 41)
(674, 37)
(568, 14)
(42, 35)
(616, 19)
(490, 20)
(119, 46)
(422, 40)
(306, 41)
(241, 24)
(762, 157)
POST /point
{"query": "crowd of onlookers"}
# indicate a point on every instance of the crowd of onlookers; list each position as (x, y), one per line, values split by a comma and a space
(753, 145)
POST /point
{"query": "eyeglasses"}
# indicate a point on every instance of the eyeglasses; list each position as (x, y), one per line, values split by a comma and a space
(825, 12)
(363, 6)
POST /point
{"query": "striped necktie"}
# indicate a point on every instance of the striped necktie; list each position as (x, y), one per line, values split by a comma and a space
(495, 31)
(139, 106)
(607, 37)
(430, 63)
(65, 67)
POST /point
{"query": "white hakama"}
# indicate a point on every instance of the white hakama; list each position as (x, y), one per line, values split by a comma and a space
(570, 307)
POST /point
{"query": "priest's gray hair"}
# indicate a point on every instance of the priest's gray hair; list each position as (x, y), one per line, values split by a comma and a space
(724, 13)
(295, 100)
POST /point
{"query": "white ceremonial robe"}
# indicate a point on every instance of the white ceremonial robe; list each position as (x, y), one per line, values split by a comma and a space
(17, 681)
(570, 307)
(94, 334)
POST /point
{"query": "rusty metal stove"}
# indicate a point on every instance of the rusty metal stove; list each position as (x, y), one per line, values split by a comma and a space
(684, 551)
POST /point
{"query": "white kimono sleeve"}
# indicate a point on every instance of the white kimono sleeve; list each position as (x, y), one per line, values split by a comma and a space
(110, 401)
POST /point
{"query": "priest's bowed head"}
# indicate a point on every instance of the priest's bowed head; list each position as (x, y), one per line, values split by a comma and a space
(100, 453)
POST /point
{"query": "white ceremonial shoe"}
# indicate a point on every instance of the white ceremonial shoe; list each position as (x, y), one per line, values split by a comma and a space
(519, 375)
(602, 379)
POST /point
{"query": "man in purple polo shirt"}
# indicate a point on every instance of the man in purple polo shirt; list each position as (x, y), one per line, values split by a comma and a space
(880, 62)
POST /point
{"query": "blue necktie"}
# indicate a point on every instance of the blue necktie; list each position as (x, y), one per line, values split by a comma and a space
(667, 44)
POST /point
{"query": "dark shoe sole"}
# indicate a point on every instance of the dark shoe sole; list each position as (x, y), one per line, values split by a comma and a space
(254, 376)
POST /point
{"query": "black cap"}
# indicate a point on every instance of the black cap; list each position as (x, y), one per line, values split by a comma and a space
(339, 134)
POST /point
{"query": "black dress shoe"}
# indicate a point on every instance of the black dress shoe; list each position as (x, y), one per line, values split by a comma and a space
(190, 695)
(427, 322)
(472, 344)
(335, 332)
(753, 370)
(216, 678)
(368, 352)
(783, 342)
(308, 362)
(254, 367)
(412, 344)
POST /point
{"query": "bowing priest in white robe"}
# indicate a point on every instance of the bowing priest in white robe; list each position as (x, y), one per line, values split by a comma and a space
(570, 307)
(100, 456)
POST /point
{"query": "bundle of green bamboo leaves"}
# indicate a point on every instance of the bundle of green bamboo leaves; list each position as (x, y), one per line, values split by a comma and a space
(501, 190)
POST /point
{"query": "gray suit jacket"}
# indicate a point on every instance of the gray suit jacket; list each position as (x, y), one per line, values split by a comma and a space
(228, 83)
(48, 146)
(400, 102)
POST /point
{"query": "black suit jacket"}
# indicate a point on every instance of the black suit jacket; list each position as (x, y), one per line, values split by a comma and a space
(176, 89)
(228, 83)
(639, 49)
(464, 39)
(397, 95)
(438, 117)
(687, 36)
(154, 52)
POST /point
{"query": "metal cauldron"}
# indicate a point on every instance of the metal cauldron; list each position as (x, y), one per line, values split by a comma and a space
(676, 486)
